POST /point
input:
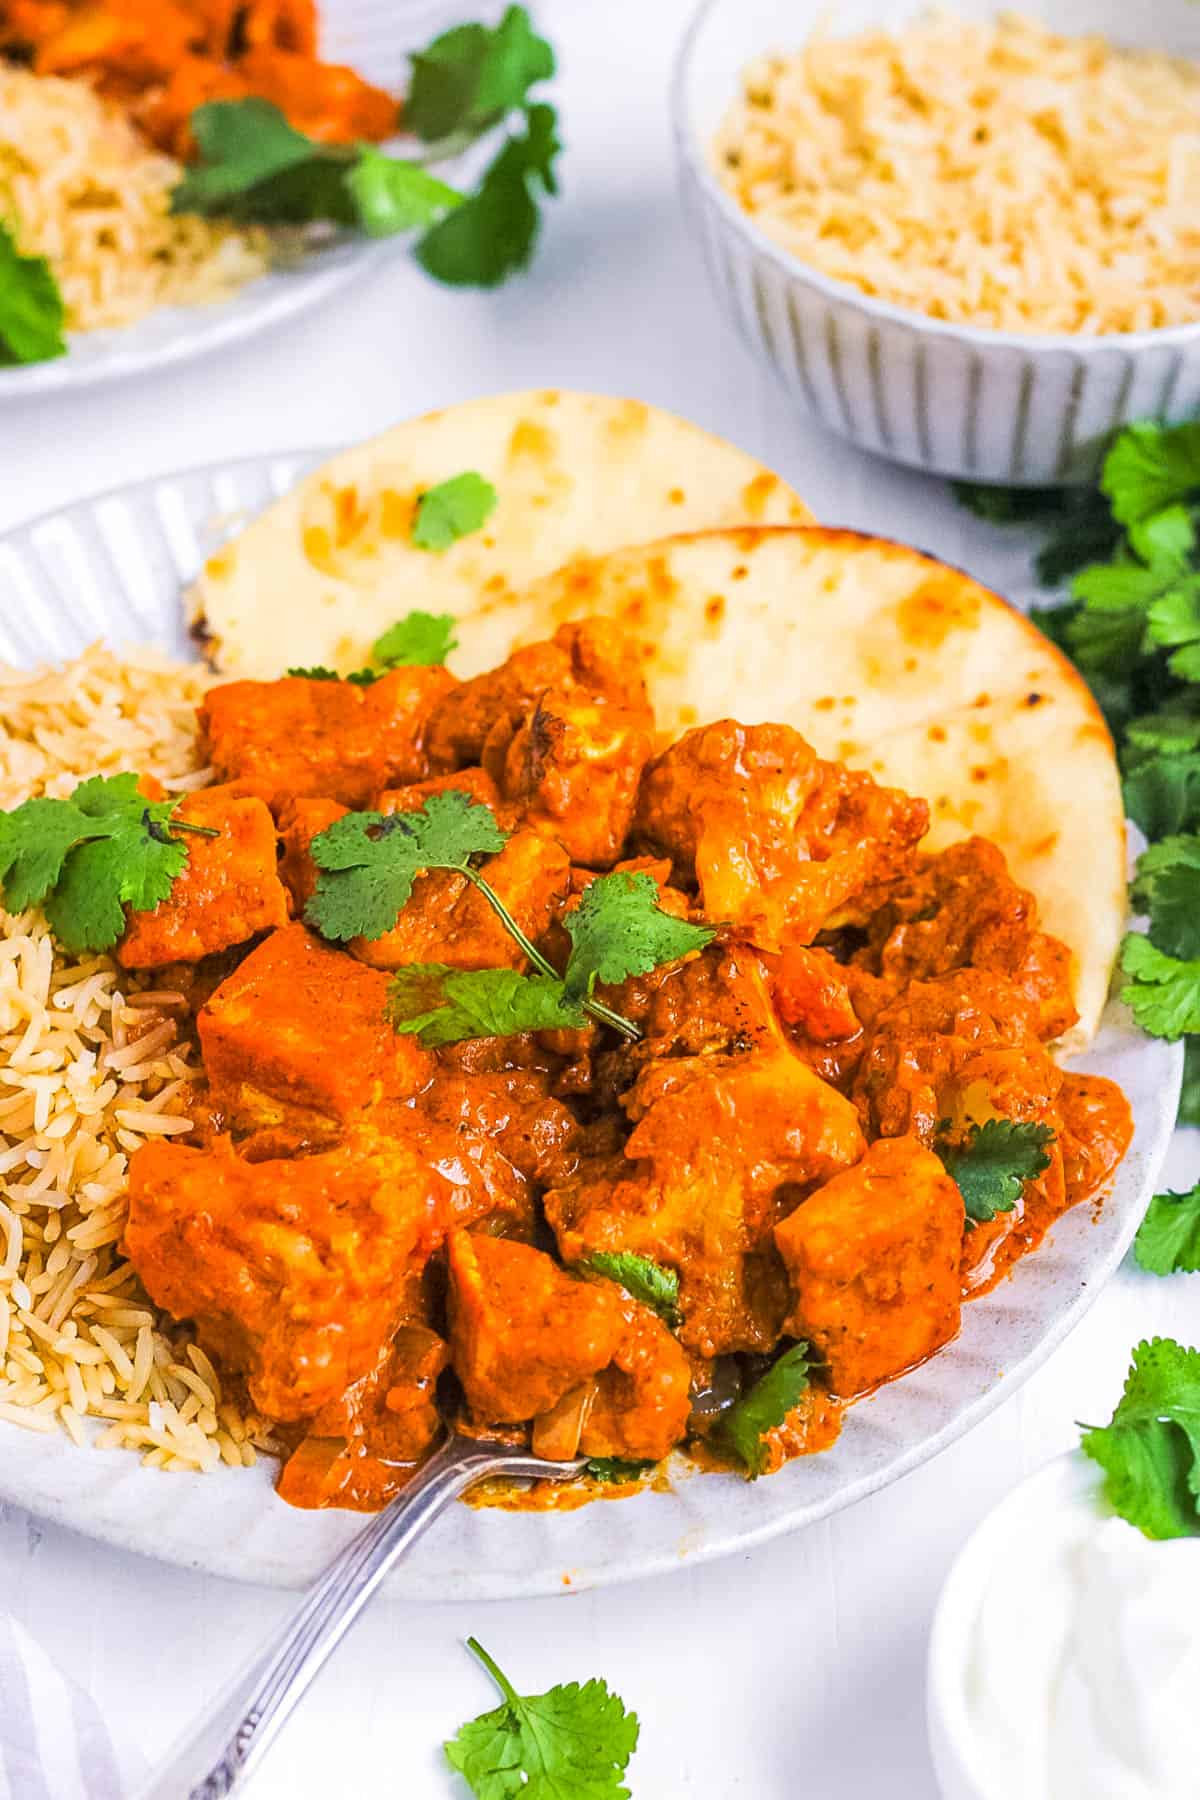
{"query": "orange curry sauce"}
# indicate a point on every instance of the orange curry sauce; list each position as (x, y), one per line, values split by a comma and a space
(374, 1238)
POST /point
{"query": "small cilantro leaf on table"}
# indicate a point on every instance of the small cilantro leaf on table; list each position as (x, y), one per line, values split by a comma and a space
(573, 1741)
(641, 1277)
(1168, 1239)
(494, 233)
(442, 1005)
(32, 314)
(85, 858)
(418, 639)
(993, 1162)
(367, 861)
(1163, 992)
(1150, 1448)
(452, 510)
(766, 1405)
(618, 930)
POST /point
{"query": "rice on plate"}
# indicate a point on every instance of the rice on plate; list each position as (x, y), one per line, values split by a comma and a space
(93, 1064)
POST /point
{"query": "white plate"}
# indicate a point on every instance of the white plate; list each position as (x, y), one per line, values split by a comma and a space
(373, 36)
(113, 567)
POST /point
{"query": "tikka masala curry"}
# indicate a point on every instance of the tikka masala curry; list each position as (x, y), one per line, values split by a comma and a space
(601, 1236)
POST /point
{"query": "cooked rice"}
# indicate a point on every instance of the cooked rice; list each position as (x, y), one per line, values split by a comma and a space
(93, 1063)
(999, 175)
(80, 187)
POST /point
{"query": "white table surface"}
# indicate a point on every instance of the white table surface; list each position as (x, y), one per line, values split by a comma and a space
(793, 1673)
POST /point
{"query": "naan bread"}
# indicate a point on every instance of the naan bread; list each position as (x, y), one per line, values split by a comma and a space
(891, 662)
(324, 571)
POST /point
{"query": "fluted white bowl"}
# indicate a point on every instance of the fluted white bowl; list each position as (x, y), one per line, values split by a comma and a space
(1009, 407)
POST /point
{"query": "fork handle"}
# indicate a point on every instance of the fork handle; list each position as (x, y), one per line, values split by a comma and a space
(226, 1743)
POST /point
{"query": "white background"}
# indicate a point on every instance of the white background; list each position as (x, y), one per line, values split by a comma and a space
(793, 1673)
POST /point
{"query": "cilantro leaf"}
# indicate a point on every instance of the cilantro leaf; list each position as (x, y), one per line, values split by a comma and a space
(470, 76)
(618, 929)
(452, 510)
(1150, 1449)
(1168, 1239)
(494, 233)
(441, 1005)
(1164, 993)
(573, 1741)
(642, 1279)
(368, 861)
(1189, 1098)
(993, 1163)
(253, 166)
(613, 1470)
(1166, 886)
(766, 1405)
(391, 196)
(1151, 467)
(32, 313)
(84, 859)
(318, 672)
(418, 638)
(1162, 792)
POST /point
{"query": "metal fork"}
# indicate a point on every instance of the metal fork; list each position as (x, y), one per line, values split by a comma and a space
(222, 1749)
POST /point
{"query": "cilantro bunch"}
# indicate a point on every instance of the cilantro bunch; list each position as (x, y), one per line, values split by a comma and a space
(1150, 1448)
(472, 82)
(1132, 627)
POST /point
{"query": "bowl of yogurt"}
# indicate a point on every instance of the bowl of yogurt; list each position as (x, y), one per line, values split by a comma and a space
(1064, 1662)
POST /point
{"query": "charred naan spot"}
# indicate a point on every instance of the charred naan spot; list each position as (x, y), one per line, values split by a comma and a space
(688, 715)
(676, 497)
(531, 441)
(980, 772)
(495, 584)
(982, 700)
(756, 493)
(739, 573)
(318, 547)
(928, 616)
(396, 512)
(629, 419)
(1034, 699)
(220, 566)
(1045, 846)
(910, 663)
(825, 704)
(714, 609)
(936, 734)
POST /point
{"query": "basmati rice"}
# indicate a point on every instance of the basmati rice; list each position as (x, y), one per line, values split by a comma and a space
(80, 187)
(93, 1061)
(999, 175)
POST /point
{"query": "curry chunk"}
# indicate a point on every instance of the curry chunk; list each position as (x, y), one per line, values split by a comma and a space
(718, 1145)
(294, 1271)
(300, 821)
(590, 659)
(640, 1404)
(229, 889)
(522, 1333)
(960, 909)
(333, 740)
(873, 1260)
(447, 920)
(296, 1039)
(780, 843)
(573, 766)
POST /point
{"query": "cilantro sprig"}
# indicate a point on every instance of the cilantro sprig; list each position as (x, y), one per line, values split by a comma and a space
(1150, 1448)
(576, 1739)
(419, 638)
(615, 1471)
(470, 82)
(1168, 1239)
(84, 859)
(32, 314)
(992, 1162)
(641, 1277)
(451, 510)
(767, 1404)
(367, 863)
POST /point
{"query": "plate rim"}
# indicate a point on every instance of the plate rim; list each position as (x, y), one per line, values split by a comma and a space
(722, 1538)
